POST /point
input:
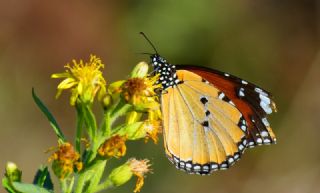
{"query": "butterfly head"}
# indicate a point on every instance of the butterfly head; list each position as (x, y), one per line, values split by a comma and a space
(157, 61)
(167, 72)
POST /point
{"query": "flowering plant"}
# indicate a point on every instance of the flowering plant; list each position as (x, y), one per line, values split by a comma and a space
(79, 164)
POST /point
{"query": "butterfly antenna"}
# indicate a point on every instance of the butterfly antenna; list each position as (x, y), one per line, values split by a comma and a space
(145, 53)
(145, 37)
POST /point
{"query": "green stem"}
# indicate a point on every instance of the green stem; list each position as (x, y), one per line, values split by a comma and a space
(92, 152)
(69, 190)
(90, 121)
(105, 185)
(119, 112)
(79, 129)
(80, 182)
(90, 178)
(63, 184)
(107, 125)
(110, 117)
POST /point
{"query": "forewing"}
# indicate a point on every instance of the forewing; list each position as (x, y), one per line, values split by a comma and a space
(202, 132)
(253, 102)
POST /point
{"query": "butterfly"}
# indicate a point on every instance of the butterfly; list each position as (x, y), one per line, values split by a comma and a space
(210, 117)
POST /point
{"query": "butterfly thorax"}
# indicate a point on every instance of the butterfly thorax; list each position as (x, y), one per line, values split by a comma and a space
(168, 76)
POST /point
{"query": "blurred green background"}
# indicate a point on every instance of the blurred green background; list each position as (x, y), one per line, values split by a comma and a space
(271, 43)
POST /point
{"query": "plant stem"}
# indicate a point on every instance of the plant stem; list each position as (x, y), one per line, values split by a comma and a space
(119, 112)
(63, 184)
(90, 121)
(107, 125)
(79, 129)
(69, 190)
(105, 185)
(90, 177)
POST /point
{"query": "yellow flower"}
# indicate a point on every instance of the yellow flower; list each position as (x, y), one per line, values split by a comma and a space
(113, 147)
(152, 129)
(141, 90)
(141, 93)
(124, 173)
(84, 79)
(65, 161)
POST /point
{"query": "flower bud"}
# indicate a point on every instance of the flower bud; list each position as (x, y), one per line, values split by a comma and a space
(106, 100)
(12, 172)
(124, 173)
(120, 175)
(140, 70)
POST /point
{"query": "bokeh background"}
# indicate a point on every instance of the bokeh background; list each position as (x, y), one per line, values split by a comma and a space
(272, 43)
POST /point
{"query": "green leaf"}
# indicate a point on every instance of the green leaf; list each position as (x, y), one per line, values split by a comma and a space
(49, 116)
(43, 179)
(29, 188)
(7, 185)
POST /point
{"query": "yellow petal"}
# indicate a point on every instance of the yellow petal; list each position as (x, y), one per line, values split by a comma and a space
(61, 75)
(67, 83)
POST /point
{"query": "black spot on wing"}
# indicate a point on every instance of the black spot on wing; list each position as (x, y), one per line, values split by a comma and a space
(205, 124)
(203, 100)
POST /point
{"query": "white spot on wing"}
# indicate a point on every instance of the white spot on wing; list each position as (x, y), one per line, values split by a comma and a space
(260, 91)
(259, 140)
(265, 122)
(265, 107)
(264, 134)
(264, 98)
(266, 141)
(241, 92)
(230, 160)
(214, 166)
(244, 82)
(197, 168)
(221, 96)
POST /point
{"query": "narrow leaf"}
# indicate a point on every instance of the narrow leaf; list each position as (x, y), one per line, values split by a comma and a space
(49, 116)
(29, 188)
(43, 179)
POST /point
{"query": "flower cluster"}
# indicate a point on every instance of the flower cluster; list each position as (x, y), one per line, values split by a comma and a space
(80, 167)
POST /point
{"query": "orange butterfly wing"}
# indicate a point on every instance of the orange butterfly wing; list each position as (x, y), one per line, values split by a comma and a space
(253, 102)
(202, 133)
(210, 117)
